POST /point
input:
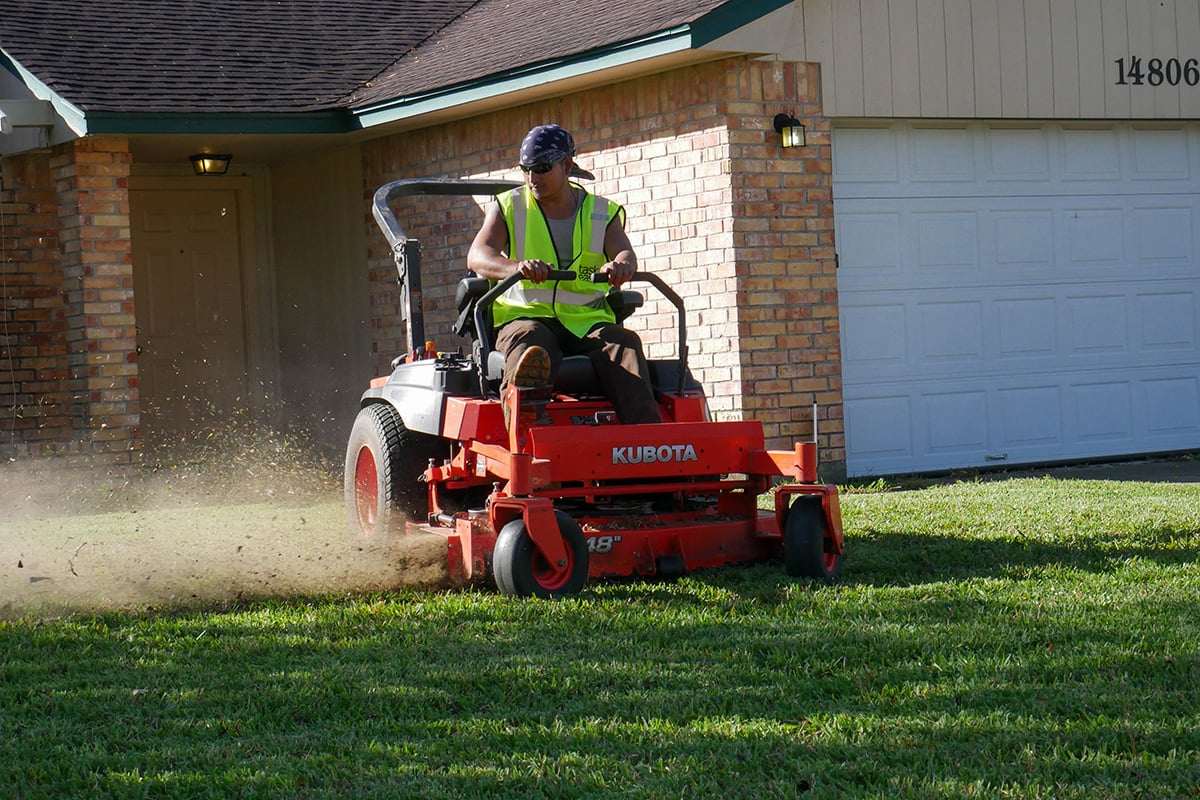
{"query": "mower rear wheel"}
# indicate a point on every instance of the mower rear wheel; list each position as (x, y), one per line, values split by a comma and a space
(384, 461)
(521, 570)
(804, 551)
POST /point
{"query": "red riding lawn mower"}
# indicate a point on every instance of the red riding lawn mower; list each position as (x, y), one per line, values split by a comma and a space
(569, 493)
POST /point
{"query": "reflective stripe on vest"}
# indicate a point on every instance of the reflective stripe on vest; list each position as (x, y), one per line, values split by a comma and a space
(578, 304)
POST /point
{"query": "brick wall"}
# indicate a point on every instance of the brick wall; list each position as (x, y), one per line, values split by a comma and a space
(69, 306)
(35, 401)
(739, 227)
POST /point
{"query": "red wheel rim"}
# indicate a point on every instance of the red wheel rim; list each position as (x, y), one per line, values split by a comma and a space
(550, 577)
(366, 490)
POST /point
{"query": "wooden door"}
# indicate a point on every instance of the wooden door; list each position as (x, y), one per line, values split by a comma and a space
(191, 305)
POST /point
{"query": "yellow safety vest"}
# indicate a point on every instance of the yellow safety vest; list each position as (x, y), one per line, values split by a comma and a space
(579, 304)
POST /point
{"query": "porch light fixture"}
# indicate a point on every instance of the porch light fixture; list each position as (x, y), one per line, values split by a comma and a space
(790, 129)
(210, 163)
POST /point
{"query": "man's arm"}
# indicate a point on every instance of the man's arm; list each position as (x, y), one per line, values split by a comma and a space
(622, 260)
(486, 257)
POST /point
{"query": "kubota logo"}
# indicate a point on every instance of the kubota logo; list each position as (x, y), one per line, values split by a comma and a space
(651, 454)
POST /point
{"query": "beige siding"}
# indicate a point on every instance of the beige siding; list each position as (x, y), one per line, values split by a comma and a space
(1189, 42)
(906, 87)
(320, 222)
(877, 53)
(985, 43)
(1039, 59)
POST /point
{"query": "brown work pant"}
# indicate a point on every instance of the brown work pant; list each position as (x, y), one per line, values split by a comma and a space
(616, 355)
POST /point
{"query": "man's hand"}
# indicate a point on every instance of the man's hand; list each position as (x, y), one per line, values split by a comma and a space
(533, 270)
(618, 272)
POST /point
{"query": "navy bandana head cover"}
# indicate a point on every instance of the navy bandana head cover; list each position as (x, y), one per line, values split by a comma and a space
(550, 144)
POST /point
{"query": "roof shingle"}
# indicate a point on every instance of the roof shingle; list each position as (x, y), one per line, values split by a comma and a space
(215, 56)
(293, 56)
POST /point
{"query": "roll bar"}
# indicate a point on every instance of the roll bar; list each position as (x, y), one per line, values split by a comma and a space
(406, 251)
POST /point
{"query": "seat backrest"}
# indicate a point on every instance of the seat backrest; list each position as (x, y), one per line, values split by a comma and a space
(465, 296)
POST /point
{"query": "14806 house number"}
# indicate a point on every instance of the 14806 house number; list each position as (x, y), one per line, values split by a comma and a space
(1157, 71)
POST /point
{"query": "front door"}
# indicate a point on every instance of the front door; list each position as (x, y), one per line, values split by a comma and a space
(190, 296)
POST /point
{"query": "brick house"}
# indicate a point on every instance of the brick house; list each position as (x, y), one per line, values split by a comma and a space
(999, 291)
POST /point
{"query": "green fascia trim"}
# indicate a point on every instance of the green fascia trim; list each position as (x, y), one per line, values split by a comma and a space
(728, 17)
(71, 114)
(228, 123)
(665, 43)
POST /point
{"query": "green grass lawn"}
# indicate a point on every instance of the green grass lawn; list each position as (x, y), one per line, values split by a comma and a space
(1028, 638)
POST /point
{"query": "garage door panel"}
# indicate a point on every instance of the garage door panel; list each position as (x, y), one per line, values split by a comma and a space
(1164, 235)
(918, 335)
(1169, 321)
(1030, 416)
(1016, 154)
(875, 334)
(882, 429)
(873, 242)
(1030, 297)
(1089, 155)
(951, 330)
(1173, 407)
(1009, 242)
(984, 422)
(1102, 412)
(1049, 160)
(1096, 324)
(1160, 155)
(1095, 238)
(1021, 239)
(946, 240)
(1025, 327)
(942, 154)
(955, 422)
(867, 156)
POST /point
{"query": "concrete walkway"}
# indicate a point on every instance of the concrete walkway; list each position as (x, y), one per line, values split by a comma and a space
(1166, 469)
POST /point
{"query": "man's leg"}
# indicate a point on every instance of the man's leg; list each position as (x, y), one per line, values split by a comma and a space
(531, 356)
(621, 367)
(515, 339)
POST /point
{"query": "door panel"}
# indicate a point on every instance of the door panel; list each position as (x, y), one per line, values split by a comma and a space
(190, 297)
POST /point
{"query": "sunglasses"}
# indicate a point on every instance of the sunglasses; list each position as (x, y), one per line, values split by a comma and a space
(539, 169)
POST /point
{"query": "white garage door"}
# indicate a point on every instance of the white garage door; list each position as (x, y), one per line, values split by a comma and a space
(1017, 293)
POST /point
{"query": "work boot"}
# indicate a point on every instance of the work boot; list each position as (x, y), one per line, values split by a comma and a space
(533, 369)
(528, 392)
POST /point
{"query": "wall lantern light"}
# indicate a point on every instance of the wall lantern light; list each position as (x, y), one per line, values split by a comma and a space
(790, 129)
(210, 164)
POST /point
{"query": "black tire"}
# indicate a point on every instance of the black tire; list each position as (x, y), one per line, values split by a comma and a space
(520, 569)
(804, 537)
(384, 461)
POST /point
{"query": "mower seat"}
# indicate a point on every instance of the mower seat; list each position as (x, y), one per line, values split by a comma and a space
(575, 373)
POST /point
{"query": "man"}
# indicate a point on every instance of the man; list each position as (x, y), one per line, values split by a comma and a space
(553, 223)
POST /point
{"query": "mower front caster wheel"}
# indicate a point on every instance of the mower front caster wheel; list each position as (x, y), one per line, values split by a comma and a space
(804, 552)
(521, 570)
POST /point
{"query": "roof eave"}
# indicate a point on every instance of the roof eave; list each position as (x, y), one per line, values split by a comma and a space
(728, 17)
(115, 122)
(71, 115)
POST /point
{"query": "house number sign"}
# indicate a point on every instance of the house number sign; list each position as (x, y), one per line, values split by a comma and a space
(1134, 71)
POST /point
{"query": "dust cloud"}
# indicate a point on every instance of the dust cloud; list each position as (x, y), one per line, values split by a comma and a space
(213, 524)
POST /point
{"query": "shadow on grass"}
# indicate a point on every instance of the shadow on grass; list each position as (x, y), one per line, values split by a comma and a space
(889, 559)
